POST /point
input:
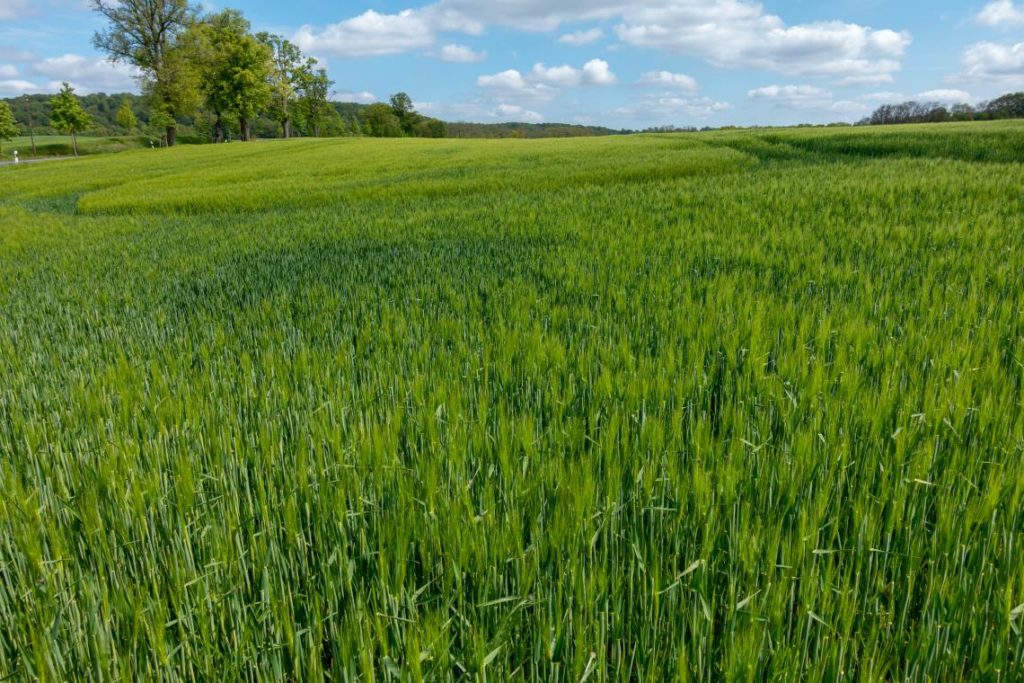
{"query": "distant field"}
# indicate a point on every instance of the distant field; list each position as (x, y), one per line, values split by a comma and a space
(60, 145)
(726, 406)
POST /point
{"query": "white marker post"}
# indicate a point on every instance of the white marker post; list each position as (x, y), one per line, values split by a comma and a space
(16, 159)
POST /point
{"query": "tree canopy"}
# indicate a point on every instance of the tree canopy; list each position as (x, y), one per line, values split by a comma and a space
(67, 115)
(143, 33)
(8, 124)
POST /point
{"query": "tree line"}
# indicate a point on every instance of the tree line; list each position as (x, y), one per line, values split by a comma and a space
(1009, 106)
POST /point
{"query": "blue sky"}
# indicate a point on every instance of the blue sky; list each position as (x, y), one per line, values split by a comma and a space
(624, 64)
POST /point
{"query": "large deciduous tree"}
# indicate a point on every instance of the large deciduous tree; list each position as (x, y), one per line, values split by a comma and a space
(234, 68)
(313, 106)
(67, 115)
(143, 33)
(287, 76)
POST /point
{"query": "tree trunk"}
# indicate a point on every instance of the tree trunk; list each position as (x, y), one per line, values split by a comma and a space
(74, 141)
(218, 130)
(245, 129)
(172, 135)
(287, 129)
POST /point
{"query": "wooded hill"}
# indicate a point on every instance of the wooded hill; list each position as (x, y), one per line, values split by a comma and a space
(348, 118)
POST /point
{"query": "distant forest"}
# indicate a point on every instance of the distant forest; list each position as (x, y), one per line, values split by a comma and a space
(344, 119)
(1009, 106)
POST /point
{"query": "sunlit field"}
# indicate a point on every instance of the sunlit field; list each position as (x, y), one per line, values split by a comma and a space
(724, 406)
(48, 146)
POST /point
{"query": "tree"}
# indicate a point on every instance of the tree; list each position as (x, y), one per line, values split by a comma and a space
(67, 115)
(126, 117)
(8, 125)
(142, 33)
(379, 121)
(1009, 106)
(402, 107)
(233, 66)
(313, 105)
(287, 76)
(248, 81)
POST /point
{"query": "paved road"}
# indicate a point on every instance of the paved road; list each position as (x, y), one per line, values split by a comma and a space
(35, 161)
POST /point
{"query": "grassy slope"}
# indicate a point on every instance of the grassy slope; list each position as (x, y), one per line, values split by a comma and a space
(723, 405)
(60, 145)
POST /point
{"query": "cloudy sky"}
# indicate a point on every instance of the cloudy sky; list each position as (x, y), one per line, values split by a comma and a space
(625, 64)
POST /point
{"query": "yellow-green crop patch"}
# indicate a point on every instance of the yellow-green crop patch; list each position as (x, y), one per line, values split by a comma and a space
(725, 406)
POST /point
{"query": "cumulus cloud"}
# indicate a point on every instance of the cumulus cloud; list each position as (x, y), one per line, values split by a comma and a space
(751, 39)
(580, 38)
(806, 98)
(87, 74)
(16, 86)
(461, 54)
(371, 34)
(946, 96)
(598, 72)
(672, 107)
(992, 62)
(726, 33)
(8, 71)
(513, 112)
(667, 79)
(1001, 13)
(562, 76)
(793, 96)
(545, 82)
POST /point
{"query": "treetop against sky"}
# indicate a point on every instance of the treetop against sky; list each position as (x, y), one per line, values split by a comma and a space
(625, 64)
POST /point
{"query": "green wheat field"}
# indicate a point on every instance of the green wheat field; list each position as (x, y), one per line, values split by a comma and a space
(732, 406)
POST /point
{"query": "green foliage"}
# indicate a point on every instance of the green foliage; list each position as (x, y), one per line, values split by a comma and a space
(235, 67)
(313, 108)
(67, 115)
(714, 406)
(144, 33)
(126, 117)
(379, 121)
(290, 77)
(8, 124)
(399, 119)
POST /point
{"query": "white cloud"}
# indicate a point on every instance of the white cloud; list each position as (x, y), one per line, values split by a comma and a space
(946, 96)
(8, 71)
(580, 38)
(87, 74)
(807, 98)
(1001, 13)
(545, 82)
(598, 72)
(995, 63)
(506, 80)
(461, 54)
(363, 97)
(371, 34)
(667, 79)
(13, 87)
(794, 96)
(561, 76)
(726, 33)
(672, 107)
(513, 112)
(734, 34)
